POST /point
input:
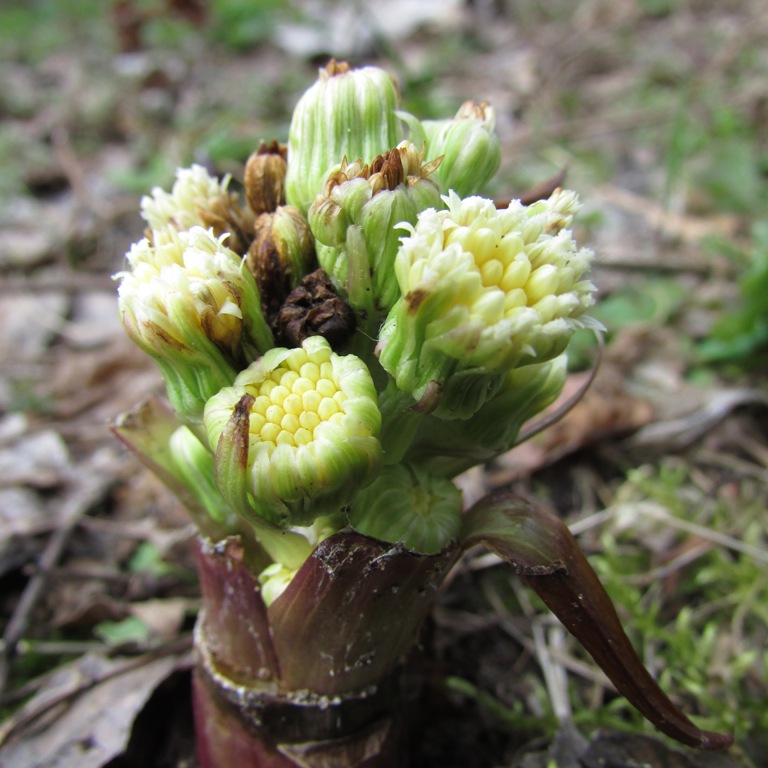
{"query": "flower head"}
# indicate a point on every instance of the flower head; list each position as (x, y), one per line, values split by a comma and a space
(198, 199)
(282, 252)
(483, 291)
(189, 303)
(265, 177)
(313, 423)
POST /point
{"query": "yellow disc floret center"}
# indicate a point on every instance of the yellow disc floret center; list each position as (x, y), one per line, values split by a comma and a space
(294, 400)
(504, 265)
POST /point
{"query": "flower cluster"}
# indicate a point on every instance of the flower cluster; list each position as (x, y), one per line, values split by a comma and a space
(337, 345)
(350, 395)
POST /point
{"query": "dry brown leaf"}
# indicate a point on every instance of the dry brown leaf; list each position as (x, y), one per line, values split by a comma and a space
(84, 716)
(40, 460)
(103, 381)
(163, 617)
(607, 411)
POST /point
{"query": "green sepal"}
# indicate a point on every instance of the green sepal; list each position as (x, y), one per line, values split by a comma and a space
(188, 386)
(450, 447)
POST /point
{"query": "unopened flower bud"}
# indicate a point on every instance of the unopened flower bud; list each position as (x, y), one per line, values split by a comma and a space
(199, 199)
(468, 145)
(355, 222)
(282, 252)
(265, 178)
(406, 504)
(313, 422)
(346, 113)
(483, 291)
(190, 303)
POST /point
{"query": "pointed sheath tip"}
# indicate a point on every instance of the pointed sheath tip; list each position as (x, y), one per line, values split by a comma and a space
(548, 559)
(715, 742)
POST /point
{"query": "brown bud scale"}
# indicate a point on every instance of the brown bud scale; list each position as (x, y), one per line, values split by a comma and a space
(265, 177)
(334, 68)
(314, 309)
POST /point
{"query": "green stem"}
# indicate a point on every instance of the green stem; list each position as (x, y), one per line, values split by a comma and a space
(399, 423)
(289, 548)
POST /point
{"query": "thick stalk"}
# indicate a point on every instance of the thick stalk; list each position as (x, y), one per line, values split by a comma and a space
(323, 678)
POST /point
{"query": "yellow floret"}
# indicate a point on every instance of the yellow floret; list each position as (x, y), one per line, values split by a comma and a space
(269, 433)
(328, 407)
(326, 387)
(309, 420)
(311, 400)
(303, 385)
(293, 401)
(292, 404)
(310, 371)
(279, 393)
(274, 414)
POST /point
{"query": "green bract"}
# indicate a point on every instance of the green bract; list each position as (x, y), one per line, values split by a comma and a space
(355, 222)
(406, 504)
(194, 463)
(449, 447)
(346, 113)
(483, 291)
(313, 423)
(189, 303)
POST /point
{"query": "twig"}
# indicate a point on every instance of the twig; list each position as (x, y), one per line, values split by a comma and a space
(58, 647)
(694, 553)
(554, 673)
(87, 491)
(540, 191)
(658, 512)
